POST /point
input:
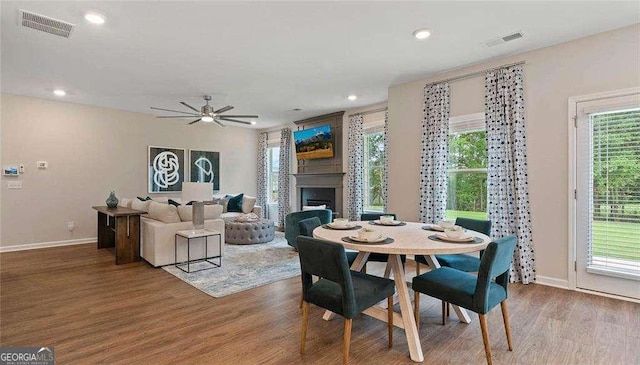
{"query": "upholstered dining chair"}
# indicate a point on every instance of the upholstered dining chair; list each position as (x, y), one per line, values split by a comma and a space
(476, 293)
(340, 290)
(460, 262)
(379, 257)
(292, 228)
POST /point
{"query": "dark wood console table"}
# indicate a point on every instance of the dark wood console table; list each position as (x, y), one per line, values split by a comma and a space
(120, 228)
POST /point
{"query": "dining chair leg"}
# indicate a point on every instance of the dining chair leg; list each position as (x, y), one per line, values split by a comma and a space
(507, 327)
(305, 319)
(390, 319)
(301, 301)
(485, 337)
(417, 268)
(347, 340)
(444, 312)
(416, 308)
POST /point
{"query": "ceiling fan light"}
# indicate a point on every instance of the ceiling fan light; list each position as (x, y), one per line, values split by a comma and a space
(253, 122)
(207, 119)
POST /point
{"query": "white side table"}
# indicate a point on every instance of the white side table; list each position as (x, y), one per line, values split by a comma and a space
(190, 234)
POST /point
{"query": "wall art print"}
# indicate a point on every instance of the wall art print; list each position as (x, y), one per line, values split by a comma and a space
(205, 167)
(166, 167)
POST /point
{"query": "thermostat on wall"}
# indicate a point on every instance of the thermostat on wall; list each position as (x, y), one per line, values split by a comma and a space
(42, 164)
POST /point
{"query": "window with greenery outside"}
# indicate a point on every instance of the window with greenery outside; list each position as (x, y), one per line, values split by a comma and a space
(467, 175)
(273, 168)
(373, 169)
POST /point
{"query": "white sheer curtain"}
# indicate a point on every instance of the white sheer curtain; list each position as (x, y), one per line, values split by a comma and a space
(435, 153)
(355, 161)
(507, 182)
(263, 166)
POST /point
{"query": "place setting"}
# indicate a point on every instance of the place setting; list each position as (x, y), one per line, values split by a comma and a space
(440, 227)
(342, 224)
(387, 220)
(368, 236)
(455, 234)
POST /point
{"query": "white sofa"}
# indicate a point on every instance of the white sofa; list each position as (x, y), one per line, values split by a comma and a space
(160, 224)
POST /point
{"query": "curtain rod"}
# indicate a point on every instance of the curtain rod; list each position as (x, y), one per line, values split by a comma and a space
(384, 109)
(477, 73)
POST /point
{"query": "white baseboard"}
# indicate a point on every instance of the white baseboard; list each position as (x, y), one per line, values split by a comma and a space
(549, 281)
(33, 246)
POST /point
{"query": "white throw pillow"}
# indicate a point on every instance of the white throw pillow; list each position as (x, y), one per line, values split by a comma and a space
(137, 204)
(247, 203)
(165, 213)
(186, 213)
(314, 207)
(161, 199)
(125, 203)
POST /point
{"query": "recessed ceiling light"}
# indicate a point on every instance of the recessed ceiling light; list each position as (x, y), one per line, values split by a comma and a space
(297, 109)
(352, 97)
(207, 119)
(94, 18)
(59, 92)
(253, 122)
(423, 33)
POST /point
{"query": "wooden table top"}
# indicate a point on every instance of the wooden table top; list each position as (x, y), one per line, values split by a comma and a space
(408, 240)
(117, 211)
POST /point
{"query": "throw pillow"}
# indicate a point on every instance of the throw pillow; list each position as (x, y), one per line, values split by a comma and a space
(235, 204)
(140, 205)
(212, 211)
(143, 199)
(247, 204)
(125, 203)
(186, 213)
(164, 213)
(174, 203)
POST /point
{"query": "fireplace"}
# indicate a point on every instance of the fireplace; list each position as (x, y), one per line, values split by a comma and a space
(318, 196)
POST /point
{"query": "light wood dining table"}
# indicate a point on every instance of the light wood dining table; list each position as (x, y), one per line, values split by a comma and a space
(409, 239)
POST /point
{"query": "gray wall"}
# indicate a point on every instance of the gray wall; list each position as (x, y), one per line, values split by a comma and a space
(91, 151)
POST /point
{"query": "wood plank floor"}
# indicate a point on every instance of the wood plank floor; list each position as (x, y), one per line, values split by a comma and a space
(92, 311)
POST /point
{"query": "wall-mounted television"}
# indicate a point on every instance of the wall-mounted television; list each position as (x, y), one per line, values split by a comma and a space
(314, 143)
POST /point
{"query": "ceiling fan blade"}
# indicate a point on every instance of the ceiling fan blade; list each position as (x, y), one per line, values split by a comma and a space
(218, 123)
(195, 121)
(177, 116)
(234, 120)
(240, 116)
(222, 110)
(189, 106)
(175, 111)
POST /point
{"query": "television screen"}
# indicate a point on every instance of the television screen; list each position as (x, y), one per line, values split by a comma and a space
(313, 143)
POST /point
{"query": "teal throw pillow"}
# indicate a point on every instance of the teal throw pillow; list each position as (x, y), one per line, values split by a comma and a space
(235, 203)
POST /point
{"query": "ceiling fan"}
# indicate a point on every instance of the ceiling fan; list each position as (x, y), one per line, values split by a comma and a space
(207, 114)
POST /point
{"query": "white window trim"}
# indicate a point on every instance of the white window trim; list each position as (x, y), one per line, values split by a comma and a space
(572, 145)
(467, 123)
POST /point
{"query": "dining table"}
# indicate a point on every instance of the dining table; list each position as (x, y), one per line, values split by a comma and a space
(405, 238)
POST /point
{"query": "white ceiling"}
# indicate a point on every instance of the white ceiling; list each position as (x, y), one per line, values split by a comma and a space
(268, 58)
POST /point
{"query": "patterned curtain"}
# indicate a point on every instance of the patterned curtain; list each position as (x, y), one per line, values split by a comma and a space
(354, 168)
(263, 167)
(507, 185)
(435, 153)
(284, 206)
(385, 170)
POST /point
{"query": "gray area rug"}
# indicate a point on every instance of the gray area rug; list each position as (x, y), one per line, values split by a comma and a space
(244, 267)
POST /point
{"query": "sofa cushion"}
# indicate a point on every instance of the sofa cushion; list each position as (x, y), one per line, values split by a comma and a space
(235, 204)
(247, 204)
(140, 205)
(125, 203)
(164, 213)
(210, 212)
(161, 199)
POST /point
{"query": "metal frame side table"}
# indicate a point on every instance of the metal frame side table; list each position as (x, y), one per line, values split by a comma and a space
(199, 233)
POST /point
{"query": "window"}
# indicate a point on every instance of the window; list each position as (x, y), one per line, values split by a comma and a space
(273, 156)
(373, 168)
(467, 173)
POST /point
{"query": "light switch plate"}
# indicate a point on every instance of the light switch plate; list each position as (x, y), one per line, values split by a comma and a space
(14, 184)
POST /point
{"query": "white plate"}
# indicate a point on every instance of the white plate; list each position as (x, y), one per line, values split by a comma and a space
(392, 223)
(434, 227)
(464, 238)
(345, 226)
(370, 240)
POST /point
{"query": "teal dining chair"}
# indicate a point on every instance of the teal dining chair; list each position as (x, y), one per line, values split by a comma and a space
(340, 290)
(292, 228)
(479, 293)
(460, 262)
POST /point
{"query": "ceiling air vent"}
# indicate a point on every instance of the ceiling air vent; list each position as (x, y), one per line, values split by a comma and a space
(44, 23)
(504, 39)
